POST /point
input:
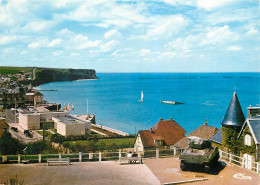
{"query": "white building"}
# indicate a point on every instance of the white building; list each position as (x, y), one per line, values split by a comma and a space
(71, 126)
(29, 121)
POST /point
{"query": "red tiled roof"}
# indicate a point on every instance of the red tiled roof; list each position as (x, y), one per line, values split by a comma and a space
(167, 130)
(157, 138)
(147, 139)
(204, 132)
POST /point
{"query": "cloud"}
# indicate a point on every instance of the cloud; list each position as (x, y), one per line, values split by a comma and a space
(23, 52)
(37, 44)
(110, 45)
(112, 33)
(44, 43)
(57, 53)
(7, 39)
(109, 30)
(8, 50)
(181, 2)
(202, 4)
(38, 26)
(234, 48)
(104, 13)
(210, 39)
(166, 26)
(218, 35)
(212, 4)
(236, 15)
(73, 54)
(55, 42)
(145, 52)
(252, 32)
(65, 33)
(82, 42)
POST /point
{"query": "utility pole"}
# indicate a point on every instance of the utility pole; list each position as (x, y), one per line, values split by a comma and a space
(15, 110)
(43, 133)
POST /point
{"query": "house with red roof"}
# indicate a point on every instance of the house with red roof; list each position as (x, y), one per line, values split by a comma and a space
(163, 133)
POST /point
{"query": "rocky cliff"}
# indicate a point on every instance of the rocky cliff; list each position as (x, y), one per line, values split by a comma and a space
(45, 75)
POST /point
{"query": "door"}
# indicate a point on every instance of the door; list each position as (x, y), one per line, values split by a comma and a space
(248, 161)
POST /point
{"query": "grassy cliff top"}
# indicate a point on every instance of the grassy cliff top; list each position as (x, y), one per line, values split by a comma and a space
(4, 70)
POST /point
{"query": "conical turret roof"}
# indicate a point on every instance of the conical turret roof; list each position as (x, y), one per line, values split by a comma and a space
(234, 115)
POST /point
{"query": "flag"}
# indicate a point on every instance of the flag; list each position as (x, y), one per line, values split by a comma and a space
(68, 108)
(72, 107)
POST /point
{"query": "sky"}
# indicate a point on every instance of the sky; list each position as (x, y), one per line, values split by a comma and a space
(132, 35)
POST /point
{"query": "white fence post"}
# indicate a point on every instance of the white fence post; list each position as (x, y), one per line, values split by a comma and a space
(90, 156)
(59, 155)
(157, 153)
(80, 156)
(257, 167)
(40, 158)
(174, 151)
(243, 163)
(100, 156)
(120, 155)
(220, 154)
(230, 157)
(19, 158)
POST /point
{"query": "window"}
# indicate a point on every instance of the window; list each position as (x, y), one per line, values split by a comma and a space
(158, 143)
(247, 140)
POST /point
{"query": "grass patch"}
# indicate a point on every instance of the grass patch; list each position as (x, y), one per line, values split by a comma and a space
(54, 130)
(118, 141)
(47, 133)
(99, 145)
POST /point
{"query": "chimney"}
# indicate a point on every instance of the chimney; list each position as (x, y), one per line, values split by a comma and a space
(206, 122)
(170, 118)
(151, 130)
(161, 119)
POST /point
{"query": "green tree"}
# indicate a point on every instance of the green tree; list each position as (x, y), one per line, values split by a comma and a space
(9, 145)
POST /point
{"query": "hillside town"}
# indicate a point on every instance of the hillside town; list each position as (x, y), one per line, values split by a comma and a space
(28, 118)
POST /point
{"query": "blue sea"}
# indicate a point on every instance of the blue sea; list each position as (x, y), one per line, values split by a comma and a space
(113, 98)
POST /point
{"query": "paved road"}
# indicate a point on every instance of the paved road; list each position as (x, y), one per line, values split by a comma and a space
(92, 173)
(168, 170)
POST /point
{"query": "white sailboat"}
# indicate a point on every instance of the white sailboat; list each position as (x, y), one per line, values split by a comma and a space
(142, 97)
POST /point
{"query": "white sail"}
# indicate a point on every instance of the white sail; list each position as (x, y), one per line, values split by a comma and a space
(142, 97)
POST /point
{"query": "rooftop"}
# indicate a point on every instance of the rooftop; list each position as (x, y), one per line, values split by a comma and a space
(217, 137)
(204, 132)
(68, 120)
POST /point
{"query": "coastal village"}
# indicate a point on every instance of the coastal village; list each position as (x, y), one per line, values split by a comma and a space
(27, 118)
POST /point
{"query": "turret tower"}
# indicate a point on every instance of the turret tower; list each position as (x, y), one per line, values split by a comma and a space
(232, 124)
